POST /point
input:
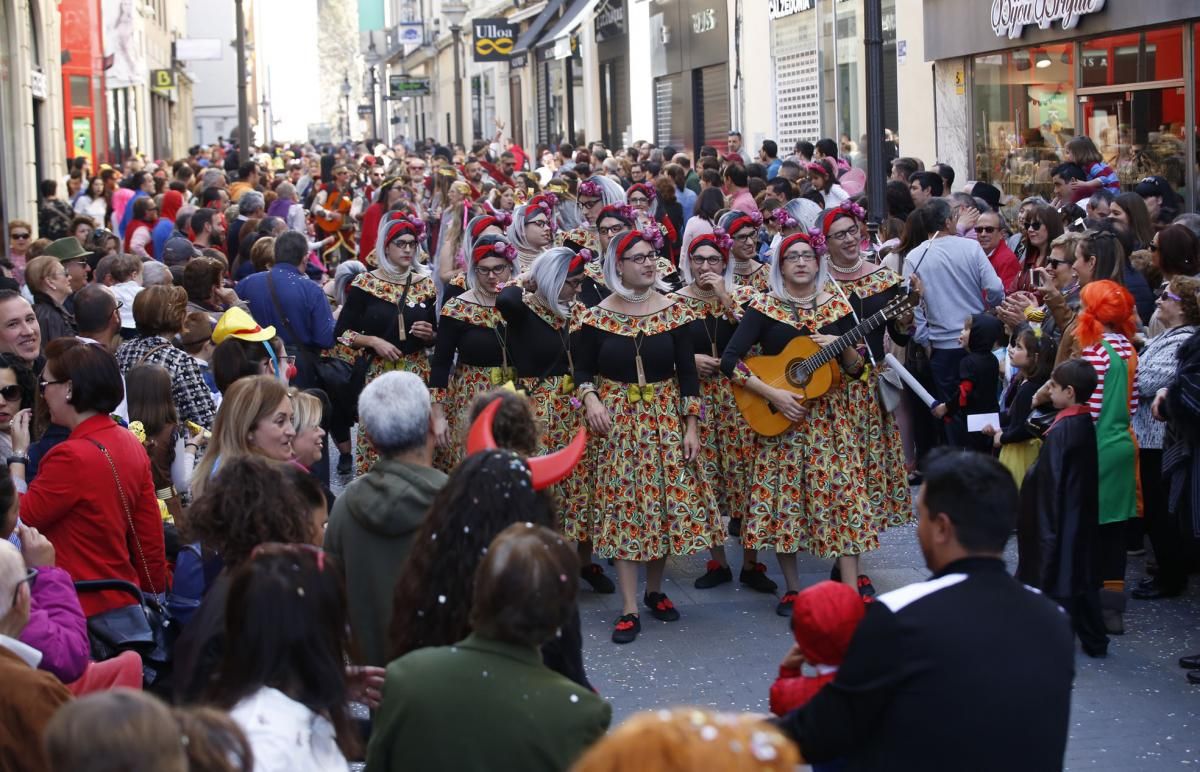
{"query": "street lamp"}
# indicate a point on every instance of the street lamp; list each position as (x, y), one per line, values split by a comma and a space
(346, 89)
(455, 11)
(373, 59)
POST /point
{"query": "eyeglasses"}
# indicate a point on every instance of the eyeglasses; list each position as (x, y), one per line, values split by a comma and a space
(986, 229)
(43, 384)
(543, 223)
(802, 257)
(747, 238)
(846, 235)
(707, 259)
(642, 259)
(30, 579)
(406, 244)
(498, 270)
(1169, 295)
(611, 230)
(638, 200)
(1033, 225)
(20, 235)
(588, 203)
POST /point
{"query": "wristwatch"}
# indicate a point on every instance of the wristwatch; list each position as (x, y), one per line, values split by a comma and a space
(17, 458)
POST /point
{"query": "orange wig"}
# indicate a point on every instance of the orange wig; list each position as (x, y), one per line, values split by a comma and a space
(1106, 307)
(686, 739)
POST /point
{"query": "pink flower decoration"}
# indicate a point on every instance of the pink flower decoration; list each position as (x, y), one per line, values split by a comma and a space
(628, 212)
(503, 218)
(783, 219)
(653, 235)
(723, 239)
(589, 188)
(854, 209)
(817, 240)
(755, 217)
(587, 254)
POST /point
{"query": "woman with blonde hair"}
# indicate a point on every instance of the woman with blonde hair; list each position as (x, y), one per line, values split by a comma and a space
(256, 418)
(47, 280)
(262, 254)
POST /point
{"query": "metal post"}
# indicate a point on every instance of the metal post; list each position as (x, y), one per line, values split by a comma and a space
(456, 31)
(243, 108)
(876, 173)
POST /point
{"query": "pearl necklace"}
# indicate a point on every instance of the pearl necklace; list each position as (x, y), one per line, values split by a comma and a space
(703, 294)
(807, 299)
(833, 266)
(633, 297)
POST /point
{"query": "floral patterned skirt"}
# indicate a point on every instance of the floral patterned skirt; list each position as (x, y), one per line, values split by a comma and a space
(807, 488)
(558, 421)
(365, 454)
(649, 502)
(877, 440)
(466, 383)
(727, 447)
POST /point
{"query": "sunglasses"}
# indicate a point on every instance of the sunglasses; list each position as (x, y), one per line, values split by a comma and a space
(1054, 263)
(986, 229)
(9, 393)
(43, 384)
(1164, 294)
(1033, 226)
(20, 235)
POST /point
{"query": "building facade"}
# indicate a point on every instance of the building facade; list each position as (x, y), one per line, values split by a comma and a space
(1015, 84)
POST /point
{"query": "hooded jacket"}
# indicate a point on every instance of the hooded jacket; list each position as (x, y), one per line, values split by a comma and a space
(979, 371)
(370, 531)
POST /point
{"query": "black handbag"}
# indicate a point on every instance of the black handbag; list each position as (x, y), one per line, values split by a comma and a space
(329, 373)
(145, 626)
(1040, 420)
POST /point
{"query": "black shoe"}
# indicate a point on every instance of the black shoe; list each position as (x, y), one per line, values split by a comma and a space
(1114, 621)
(594, 576)
(865, 588)
(784, 607)
(715, 574)
(345, 464)
(1154, 591)
(1191, 663)
(660, 606)
(1193, 676)
(626, 629)
(755, 577)
(1100, 653)
(735, 527)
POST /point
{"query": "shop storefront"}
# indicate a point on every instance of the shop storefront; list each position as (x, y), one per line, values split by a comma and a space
(612, 48)
(1121, 73)
(83, 81)
(819, 72)
(690, 68)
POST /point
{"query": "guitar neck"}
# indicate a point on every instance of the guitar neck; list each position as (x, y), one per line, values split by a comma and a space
(833, 350)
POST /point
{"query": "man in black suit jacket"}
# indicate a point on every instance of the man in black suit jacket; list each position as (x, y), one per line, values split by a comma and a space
(968, 670)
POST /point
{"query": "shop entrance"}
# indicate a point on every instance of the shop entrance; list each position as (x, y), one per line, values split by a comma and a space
(1139, 132)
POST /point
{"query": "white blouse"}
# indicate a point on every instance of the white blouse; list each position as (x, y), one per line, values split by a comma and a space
(286, 736)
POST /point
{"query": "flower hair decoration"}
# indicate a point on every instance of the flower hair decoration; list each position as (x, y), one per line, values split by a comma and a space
(589, 188)
(817, 240)
(756, 218)
(724, 240)
(499, 249)
(653, 235)
(587, 255)
(854, 209)
(650, 192)
(783, 218)
(503, 218)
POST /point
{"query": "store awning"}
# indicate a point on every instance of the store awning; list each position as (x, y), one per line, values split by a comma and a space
(533, 33)
(576, 13)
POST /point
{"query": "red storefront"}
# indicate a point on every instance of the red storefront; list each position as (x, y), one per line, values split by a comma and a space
(83, 80)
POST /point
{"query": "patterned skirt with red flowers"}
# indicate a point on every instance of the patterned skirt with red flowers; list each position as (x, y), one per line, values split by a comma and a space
(558, 421)
(807, 488)
(877, 438)
(649, 502)
(466, 383)
(365, 454)
(727, 447)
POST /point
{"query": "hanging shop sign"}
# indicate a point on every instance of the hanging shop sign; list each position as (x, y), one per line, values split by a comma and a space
(400, 86)
(777, 9)
(365, 110)
(1009, 17)
(494, 39)
(162, 79)
(610, 20)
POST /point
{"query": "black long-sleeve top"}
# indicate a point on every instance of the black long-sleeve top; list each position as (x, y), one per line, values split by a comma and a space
(868, 295)
(917, 654)
(709, 325)
(537, 338)
(473, 332)
(772, 323)
(1018, 402)
(373, 308)
(609, 342)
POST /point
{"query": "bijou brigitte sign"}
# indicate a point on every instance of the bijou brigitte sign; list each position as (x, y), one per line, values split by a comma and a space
(1009, 17)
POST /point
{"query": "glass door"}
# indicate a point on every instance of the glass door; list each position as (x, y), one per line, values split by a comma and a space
(1139, 133)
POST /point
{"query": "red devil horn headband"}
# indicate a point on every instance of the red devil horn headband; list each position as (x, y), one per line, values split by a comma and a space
(544, 470)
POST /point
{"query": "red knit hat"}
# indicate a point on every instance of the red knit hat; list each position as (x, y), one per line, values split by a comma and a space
(824, 618)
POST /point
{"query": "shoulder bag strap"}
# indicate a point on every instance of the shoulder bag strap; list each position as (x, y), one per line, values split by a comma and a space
(128, 514)
(279, 311)
(147, 355)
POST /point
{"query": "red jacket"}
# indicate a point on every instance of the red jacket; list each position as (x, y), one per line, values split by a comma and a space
(74, 502)
(824, 618)
(1006, 265)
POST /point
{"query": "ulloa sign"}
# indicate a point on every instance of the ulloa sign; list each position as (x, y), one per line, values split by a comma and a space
(494, 39)
(1009, 17)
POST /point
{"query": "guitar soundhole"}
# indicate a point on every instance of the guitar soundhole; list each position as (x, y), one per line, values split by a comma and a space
(796, 377)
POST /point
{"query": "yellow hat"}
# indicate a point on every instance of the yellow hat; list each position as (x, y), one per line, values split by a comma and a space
(236, 323)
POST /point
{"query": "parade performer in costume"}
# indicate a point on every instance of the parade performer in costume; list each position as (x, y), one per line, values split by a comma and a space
(727, 440)
(477, 228)
(868, 288)
(336, 208)
(636, 375)
(390, 317)
(742, 228)
(611, 219)
(596, 193)
(806, 485)
(543, 329)
(471, 354)
(532, 230)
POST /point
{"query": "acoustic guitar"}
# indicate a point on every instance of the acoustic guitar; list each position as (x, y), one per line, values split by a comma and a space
(338, 204)
(806, 369)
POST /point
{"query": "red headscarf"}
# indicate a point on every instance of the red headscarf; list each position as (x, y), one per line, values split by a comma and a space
(711, 240)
